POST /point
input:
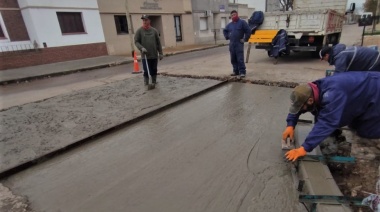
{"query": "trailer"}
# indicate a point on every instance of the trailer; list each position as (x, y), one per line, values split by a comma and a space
(311, 25)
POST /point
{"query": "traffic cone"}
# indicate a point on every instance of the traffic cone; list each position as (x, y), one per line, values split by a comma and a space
(136, 69)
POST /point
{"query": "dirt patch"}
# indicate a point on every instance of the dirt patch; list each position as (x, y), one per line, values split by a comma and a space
(11, 202)
(355, 180)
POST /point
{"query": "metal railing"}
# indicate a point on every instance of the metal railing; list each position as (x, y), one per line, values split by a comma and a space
(17, 48)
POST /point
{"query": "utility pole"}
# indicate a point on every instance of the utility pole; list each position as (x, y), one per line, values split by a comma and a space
(129, 27)
(375, 18)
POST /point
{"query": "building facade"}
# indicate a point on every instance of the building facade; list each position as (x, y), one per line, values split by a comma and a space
(38, 32)
(209, 19)
(172, 19)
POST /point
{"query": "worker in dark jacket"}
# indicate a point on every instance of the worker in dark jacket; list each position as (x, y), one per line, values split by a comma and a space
(353, 58)
(237, 32)
(348, 99)
(147, 40)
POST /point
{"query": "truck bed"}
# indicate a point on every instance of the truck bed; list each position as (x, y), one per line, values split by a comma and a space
(312, 22)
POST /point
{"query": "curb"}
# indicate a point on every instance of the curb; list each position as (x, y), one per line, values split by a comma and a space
(23, 166)
(89, 68)
(42, 76)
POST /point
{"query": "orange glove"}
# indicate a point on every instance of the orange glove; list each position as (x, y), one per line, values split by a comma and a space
(293, 154)
(288, 132)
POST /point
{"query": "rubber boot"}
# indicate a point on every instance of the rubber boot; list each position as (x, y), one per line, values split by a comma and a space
(146, 81)
(154, 79)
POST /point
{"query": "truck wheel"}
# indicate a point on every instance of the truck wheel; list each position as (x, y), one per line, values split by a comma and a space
(316, 53)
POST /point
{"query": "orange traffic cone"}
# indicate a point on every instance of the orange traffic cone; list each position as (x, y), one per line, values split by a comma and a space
(136, 69)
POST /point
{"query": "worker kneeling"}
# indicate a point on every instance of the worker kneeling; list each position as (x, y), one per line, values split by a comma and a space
(347, 99)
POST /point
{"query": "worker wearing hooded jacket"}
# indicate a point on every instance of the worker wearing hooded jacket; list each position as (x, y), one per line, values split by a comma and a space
(347, 99)
(353, 58)
(237, 32)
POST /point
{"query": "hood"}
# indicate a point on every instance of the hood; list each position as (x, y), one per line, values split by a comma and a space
(335, 51)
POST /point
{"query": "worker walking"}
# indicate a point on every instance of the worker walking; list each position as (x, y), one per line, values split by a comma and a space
(347, 99)
(147, 40)
(353, 58)
(237, 32)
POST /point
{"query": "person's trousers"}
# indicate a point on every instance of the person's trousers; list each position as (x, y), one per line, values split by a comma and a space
(152, 63)
(237, 57)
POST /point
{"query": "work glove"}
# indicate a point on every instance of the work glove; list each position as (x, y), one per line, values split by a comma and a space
(288, 132)
(241, 40)
(143, 50)
(294, 154)
(161, 56)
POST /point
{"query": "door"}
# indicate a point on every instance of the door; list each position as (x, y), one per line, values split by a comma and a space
(178, 28)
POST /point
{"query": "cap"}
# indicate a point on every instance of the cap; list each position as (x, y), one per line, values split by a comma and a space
(145, 17)
(298, 97)
(325, 50)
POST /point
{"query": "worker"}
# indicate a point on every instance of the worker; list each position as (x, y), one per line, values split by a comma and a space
(347, 99)
(147, 40)
(353, 58)
(237, 32)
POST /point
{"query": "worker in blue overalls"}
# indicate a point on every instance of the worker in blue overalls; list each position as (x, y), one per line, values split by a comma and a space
(237, 32)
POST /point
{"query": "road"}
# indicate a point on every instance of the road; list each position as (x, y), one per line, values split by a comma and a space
(299, 68)
(217, 152)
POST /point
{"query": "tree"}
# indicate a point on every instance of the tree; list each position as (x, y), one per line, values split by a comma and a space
(370, 6)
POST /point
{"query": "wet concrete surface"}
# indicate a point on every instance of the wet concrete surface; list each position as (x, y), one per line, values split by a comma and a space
(33, 130)
(217, 152)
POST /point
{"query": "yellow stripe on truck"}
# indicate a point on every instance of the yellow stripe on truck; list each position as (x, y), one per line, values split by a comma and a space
(263, 36)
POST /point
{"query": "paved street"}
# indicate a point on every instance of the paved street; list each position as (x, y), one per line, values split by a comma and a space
(216, 152)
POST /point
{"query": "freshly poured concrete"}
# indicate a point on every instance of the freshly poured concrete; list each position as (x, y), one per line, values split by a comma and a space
(218, 152)
(33, 130)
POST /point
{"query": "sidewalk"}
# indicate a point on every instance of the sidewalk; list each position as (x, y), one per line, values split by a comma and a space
(55, 69)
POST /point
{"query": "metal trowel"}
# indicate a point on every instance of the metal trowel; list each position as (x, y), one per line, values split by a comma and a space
(287, 144)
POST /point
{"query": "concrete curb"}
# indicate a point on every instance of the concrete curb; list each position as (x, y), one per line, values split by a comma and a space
(42, 76)
(6, 173)
(315, 176)
(94, 67)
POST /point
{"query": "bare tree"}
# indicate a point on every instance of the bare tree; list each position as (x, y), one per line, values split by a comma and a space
(370, 6)
(287, 5)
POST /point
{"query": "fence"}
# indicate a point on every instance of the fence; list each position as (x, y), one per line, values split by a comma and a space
(18, 48)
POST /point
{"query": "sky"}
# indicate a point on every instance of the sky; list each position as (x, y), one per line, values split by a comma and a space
(260, 4)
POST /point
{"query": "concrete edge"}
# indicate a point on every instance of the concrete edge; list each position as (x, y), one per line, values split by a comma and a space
(194, 50)
(42, 76)
(314, 182)
(18, 168)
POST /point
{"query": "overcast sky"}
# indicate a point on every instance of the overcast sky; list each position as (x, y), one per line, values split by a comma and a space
(260, 4)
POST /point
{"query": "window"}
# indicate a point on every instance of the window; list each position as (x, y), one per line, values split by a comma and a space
(177, 26)
(70, 22)
(1, 32)
(121, 24)
(223, 22)
(203, 23)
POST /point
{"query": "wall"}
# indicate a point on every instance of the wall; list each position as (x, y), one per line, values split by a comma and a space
(219, 9)
(162, 20)
(12, 23)
(19, 59)
(43, 26)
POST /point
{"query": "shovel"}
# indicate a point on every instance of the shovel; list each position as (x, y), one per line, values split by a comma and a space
(150, 85)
